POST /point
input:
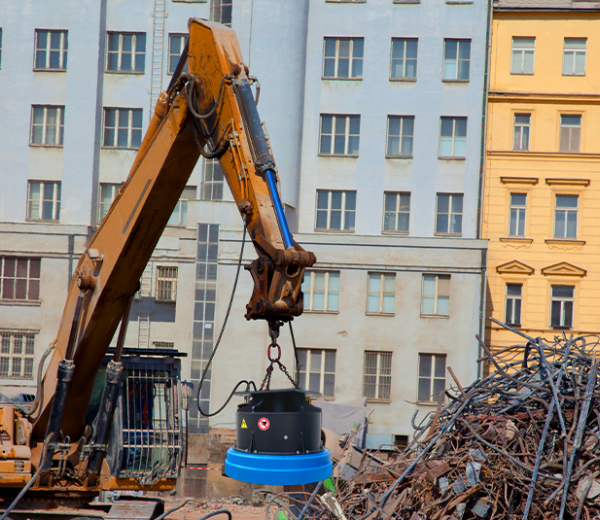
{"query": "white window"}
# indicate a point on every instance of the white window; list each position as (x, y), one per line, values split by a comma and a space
(574, 56)
(432, 377)
(449, 214)
(16, 354)
(126, 52)
(336, 210)
(404, 58)
(43, 200)
(221, 11)
(50, 50)
(396, 212)
(317, 371)
(340, 135)
(436, 295)
(343, 58)
(179, 215)
(514, 294)
(570, 133)
(321, 290)
(212, 180)
(107, 194)
(523, 55)
(521, 131)
(453, 137)
(518, 210)
(562, 302)
(400, 134)
(47, 125)
(176, 45)
(122, 127)
(381, 293)
(19, 278)
(565, 216)
(377, 383)
(457, 59)
(166, 284)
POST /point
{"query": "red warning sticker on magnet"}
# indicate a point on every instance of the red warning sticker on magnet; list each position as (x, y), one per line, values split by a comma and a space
(264, 424)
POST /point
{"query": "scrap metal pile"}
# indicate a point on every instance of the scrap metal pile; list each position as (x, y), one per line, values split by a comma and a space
(522, 443)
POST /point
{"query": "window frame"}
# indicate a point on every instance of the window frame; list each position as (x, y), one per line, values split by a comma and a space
(431, 398)
(522, 51)
(322, 370)
(574, 52)
(181, 208)
(32, 284)
(330, 209)
(62, 50)
(216, 11)
(436, 295)
(166, 286)
(520, 129)
(453, 137)
(130, 128)
(26, 356)
(562, 300)
(514, 301)
(451, 214)
(520, 212)
(566, 210)
(573, 130)
(397, 212)
(60, 126)
(119, 52)
(114, 189)
(171, 55)
(379, 385)
(457, 60)
(309, 306)
(403, 120)
(56, 201)
(382, 293)
(336, 58)
(404, 59)
(210, 185)
(333, 134)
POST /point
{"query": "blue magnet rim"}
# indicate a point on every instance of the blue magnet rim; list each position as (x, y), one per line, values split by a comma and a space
(256, 468)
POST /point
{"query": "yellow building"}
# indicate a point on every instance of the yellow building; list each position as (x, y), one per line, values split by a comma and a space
(541, 207)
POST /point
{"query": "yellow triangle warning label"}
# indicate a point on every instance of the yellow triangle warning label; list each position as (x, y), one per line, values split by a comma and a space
(244, 425)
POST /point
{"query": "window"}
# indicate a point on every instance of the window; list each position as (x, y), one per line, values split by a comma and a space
(108, 192)
(166, 284)
(432, 377)
(513, 303)
(565, 216)
(449, 214)
(220, 11)
(404, 58)
(570, 133)
(522, 127)
(523, 55)
(43, 200)
(378, 376)
(50, 50)
(562, 306)
(457, 59)
(16, 354)
(381, 293)
(163, 345)
(176, 45)
(19, 278)
(343, 58)
(436, 295)
(321, 290)
(453, 137)
(122, 127)
(574, 56)
(400, 136)
(340, 135)
(126, 52)
(396, 212)
(179, 215)
(213, 180)
(336, 210)
(47, 125)
(518, 210)
(317, 371)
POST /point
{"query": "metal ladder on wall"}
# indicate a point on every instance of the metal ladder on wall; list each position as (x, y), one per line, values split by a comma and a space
(144, 308)
(158, 33)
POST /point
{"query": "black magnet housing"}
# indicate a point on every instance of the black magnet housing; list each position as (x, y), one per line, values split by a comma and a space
(278, 422)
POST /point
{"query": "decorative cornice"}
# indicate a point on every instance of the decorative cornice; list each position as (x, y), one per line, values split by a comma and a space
(564, 269)
(500, 96)
(515, 267)
(519, 180)
(549, 155)
(517, 240)
(552, 181)
(565, 243)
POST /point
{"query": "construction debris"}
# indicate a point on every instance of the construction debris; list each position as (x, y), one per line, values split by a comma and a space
(522, 443)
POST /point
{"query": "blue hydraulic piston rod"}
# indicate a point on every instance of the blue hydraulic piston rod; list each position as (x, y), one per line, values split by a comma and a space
(283, 225)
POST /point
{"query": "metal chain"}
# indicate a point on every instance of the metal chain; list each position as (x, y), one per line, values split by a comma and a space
(267, 379)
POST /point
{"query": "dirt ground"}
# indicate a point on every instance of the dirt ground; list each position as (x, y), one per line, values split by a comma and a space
(195, 512)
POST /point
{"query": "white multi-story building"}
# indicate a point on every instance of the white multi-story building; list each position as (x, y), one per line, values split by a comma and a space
(374, 111)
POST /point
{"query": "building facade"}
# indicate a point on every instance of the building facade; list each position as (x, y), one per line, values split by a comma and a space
(374, 112)
(541, 197)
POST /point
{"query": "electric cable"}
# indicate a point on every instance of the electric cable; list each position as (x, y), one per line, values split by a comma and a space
(193, 501)
(297, 371)
(212, 355)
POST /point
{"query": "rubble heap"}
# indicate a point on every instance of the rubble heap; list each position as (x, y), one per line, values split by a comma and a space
(522, 443)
